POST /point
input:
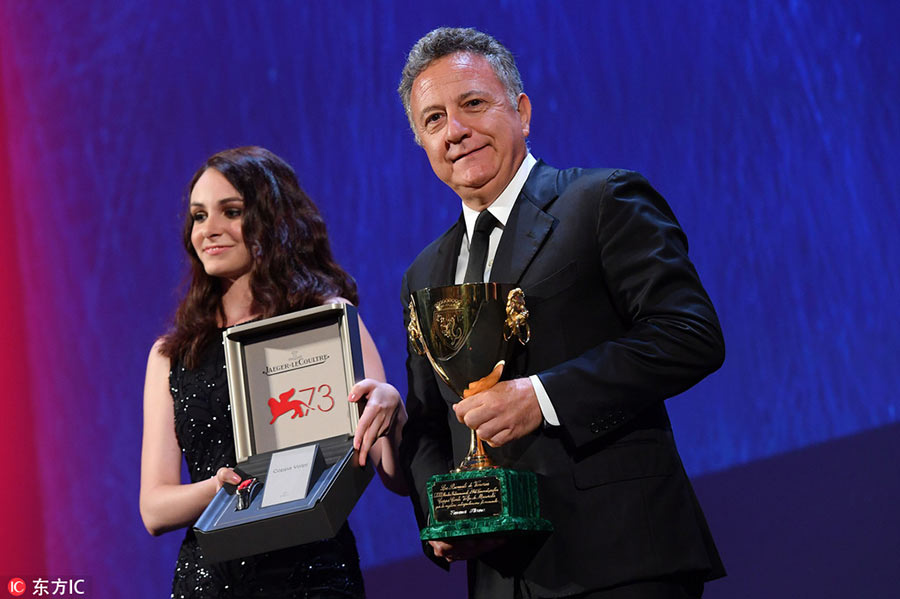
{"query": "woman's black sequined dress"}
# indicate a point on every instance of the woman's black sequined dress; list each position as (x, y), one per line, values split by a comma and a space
(323, 569)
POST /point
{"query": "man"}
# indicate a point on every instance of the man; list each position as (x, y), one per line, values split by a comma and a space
(619, 322)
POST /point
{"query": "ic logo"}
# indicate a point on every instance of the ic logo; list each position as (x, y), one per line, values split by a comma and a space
(16, 587)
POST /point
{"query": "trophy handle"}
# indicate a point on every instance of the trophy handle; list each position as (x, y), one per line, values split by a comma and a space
(415, 334)
(418, 341)
(516, 317)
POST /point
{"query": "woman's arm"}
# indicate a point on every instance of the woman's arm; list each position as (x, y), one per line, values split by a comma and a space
(380, 427)
(165, 503)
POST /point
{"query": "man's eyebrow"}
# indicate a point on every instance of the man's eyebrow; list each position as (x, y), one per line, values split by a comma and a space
(428, 109)
(460, 98)
(470, 93)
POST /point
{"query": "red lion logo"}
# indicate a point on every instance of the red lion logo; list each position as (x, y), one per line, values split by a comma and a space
(285, 405)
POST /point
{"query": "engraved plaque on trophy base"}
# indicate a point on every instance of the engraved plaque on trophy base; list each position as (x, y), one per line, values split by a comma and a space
(476, 502)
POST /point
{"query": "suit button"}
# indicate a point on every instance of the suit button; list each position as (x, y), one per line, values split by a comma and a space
(595, 428)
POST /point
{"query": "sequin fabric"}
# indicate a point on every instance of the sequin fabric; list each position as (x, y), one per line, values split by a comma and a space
(320, 570)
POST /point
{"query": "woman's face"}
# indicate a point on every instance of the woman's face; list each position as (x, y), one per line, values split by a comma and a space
(217, 210)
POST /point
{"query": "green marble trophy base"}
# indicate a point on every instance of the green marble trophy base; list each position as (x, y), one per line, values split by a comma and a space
(478, 502)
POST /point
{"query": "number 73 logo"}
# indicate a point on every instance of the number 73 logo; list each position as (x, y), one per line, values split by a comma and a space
(285, 404)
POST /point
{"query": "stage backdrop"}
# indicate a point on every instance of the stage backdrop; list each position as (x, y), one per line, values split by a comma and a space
(771, 128)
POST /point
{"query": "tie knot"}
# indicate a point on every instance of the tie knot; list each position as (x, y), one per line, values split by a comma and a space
(485, 222)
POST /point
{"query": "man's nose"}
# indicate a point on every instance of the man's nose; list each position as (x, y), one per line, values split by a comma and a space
(457, 128)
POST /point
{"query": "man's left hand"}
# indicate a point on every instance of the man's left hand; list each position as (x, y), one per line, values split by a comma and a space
(505, 412)
(465, 548)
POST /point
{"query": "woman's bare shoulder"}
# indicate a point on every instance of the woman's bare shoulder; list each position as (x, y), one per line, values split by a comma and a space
(157, 357)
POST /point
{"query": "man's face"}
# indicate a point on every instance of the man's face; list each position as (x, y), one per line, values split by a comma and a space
(474, 138)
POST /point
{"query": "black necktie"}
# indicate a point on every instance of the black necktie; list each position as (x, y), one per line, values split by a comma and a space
(478, 247)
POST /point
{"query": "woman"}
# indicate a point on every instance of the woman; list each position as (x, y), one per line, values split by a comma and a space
(258, 248)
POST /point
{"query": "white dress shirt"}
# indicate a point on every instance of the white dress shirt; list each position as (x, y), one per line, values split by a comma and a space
(500, 209)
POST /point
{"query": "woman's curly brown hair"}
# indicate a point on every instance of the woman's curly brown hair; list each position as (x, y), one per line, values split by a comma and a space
(292, 265)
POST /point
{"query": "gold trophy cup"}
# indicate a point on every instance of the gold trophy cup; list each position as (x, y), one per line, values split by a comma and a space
(465, 332)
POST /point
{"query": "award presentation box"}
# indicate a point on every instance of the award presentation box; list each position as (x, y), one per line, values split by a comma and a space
(289, 378)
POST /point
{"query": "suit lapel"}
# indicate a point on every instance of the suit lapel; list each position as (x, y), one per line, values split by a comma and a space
(447, 255)
(527, 227)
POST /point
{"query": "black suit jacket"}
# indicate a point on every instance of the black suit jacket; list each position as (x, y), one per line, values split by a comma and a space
(619, 322)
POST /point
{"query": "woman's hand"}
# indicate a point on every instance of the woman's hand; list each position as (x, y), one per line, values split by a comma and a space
(226, 475)
(383, 410)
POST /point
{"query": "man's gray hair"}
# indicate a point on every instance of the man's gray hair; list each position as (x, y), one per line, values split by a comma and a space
(444, 41)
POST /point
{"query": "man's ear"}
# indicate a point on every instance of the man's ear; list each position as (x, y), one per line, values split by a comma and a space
(523, 107)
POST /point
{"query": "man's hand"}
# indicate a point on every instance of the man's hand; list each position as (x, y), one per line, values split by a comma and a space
(505, 412)
(465, 548)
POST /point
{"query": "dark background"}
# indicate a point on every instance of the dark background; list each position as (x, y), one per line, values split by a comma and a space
(770, 127)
